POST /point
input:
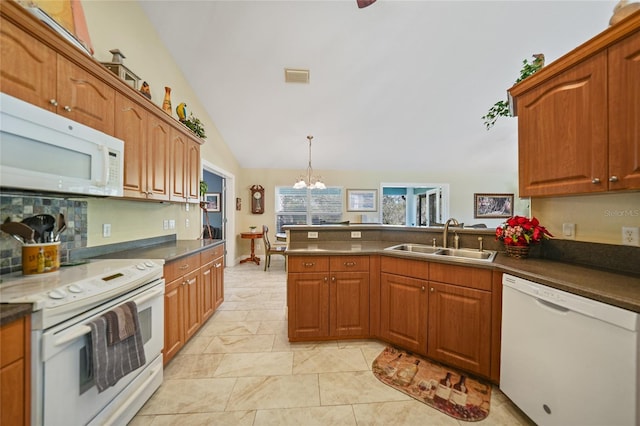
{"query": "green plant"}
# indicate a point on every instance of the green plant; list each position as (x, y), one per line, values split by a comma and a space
(195, 125)
(203, 188)
(501, 108)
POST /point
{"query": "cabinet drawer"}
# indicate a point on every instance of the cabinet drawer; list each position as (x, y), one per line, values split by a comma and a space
(11, 342)
(180, 267)
(308, 263)
(209, 255)
(461, 275)
(407, 267)
(349, 263)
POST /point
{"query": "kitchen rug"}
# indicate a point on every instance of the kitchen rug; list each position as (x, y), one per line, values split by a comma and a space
(441, 387)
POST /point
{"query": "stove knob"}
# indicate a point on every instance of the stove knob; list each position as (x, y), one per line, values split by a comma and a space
(75, 288)
(141, 266)
(149, 264)
(57, 294)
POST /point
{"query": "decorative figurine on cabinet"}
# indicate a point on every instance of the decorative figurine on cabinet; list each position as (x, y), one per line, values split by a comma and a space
(145, 90)
(257, 199)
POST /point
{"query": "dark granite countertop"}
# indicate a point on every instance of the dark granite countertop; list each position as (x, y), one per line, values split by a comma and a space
(167, 251)
(617, 289)
(10, 313)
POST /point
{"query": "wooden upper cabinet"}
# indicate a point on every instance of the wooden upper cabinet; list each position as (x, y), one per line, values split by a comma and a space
(624, 114)
(578, 118)
(28, 69)
(562, 132)
(158, 165)
(130, 126)
(84, 98)
(192, 175)
(179, 149)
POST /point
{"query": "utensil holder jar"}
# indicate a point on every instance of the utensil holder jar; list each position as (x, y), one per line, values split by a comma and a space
(40, 258)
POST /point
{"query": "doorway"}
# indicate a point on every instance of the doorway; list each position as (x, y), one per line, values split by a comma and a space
(222, 182)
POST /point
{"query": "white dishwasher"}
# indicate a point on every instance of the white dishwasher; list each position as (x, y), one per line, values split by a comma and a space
(568, 360)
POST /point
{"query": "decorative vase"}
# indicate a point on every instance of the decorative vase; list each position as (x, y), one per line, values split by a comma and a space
(166, 103)
(518, 252)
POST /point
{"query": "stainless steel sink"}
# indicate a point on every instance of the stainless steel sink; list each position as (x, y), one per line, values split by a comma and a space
(457, 254)
(415, 248)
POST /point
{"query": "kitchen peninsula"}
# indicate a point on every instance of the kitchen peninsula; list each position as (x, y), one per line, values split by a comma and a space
(340, 286)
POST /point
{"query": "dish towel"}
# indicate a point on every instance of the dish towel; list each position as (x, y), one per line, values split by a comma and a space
(111, 362)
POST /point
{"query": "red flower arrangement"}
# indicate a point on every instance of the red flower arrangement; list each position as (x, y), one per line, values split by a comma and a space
(521, 231)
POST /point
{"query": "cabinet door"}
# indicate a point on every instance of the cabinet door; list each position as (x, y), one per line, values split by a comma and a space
(460, 326)
(84, 98)
(308, 304)
(349, 304)
(218, 281)
(12, 383)
(158, 166)
(28, 67)
(192, 292)
(624, 114)
(173, 319)
(403, 311)
(131, 127)
(208, 290)
(562, 132)
(192, 173)
(179, 146)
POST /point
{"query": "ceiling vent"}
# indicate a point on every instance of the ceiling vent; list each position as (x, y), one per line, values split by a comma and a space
(296, 76)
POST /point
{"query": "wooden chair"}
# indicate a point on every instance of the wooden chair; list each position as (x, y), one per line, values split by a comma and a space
(269, 249)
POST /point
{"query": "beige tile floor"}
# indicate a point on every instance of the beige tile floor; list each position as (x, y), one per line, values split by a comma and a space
(240, 369)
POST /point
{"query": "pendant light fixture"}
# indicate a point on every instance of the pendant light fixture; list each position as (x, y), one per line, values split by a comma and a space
(311, 181)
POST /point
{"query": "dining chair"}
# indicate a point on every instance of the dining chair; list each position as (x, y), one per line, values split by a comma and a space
(269, 249)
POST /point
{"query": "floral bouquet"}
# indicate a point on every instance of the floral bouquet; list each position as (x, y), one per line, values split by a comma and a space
(521, 231)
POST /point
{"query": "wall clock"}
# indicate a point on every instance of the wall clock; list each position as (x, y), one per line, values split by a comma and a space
(257, 199)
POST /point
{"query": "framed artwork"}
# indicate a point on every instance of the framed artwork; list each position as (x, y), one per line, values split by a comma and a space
(238, 204)
(212, 202)
(362, 200)
(492, 205)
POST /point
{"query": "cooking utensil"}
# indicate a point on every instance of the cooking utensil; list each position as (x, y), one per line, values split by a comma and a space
(62, 225)
(19, 231)
(43, 224)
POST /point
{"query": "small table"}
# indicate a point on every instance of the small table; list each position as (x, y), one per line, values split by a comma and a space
(251, 236)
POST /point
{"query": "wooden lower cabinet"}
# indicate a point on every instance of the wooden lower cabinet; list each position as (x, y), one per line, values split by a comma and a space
(460, 327)
(15, 376)
(403, 312)
(193, 291)
(328, 296)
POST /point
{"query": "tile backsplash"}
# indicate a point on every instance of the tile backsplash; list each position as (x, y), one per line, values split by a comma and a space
(19, 206)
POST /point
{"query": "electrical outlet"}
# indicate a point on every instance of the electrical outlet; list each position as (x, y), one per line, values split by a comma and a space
(186, 207)
(172, 224)
(631, 236)
(165, 224)
(569, 231)
(312, 234)
(106, 230)
(186, 223)
(356, 234)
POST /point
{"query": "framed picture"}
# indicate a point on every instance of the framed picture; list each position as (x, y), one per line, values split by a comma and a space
(212, 202)
(238, 204)
(362, 200)
(492, 205)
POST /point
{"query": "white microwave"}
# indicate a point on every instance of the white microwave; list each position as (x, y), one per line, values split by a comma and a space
(43, 151)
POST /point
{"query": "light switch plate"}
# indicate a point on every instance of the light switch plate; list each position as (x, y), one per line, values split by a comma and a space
(569, 230)
(106, 230)
(356, 234)
(312, 234)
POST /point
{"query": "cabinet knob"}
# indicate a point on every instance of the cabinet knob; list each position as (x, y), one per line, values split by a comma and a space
(333, 279)
(325, 279)
(308, 264)
(595, 180)
(53, 102)
(185, 266)
(218, 265)
(422, 288)
(613, 179)
(432, 289)
(349, 264)
(67, 108)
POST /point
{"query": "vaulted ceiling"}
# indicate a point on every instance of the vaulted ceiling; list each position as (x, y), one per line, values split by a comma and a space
(398, 85)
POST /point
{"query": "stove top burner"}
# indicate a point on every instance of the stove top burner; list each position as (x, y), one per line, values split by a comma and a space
(65, 293)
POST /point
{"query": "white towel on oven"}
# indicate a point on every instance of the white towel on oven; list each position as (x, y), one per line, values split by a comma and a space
(113, 362)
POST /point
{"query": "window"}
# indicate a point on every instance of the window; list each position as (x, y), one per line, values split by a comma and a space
(307, 206)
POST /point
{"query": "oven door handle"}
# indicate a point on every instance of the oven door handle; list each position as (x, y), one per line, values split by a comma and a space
(85, 329)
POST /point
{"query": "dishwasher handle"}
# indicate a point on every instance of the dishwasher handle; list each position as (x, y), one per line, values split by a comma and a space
(553, 306)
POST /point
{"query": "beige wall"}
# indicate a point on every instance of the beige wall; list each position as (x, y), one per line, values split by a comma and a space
(598, 218)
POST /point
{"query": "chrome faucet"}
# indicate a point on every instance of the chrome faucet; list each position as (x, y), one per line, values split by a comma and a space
(446, 230)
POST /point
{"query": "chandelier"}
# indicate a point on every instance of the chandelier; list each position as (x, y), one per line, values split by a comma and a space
(311, 181)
